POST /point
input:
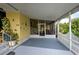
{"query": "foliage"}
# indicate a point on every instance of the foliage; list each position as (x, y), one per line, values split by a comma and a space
(14, 36)
(8, 30)
(75, 27)
(6, 25)
(64, 28)
(0, 24)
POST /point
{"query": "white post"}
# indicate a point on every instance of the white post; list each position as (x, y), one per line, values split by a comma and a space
(70, 31)
(45, 28)
(55, 28)
(38, 28)
(58, 28)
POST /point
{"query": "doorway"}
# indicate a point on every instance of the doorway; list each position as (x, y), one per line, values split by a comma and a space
(42, 29)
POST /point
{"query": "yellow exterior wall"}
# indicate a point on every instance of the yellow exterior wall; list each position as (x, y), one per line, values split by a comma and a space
(24, 26)
(14, 21)
(18, 21)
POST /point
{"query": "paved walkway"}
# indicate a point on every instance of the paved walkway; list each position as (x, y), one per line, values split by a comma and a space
(42, 46)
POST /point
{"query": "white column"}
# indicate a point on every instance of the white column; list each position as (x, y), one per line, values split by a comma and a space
(55, 28)
(58, 27)
(70, 33)
(38, 28)
(45, 28)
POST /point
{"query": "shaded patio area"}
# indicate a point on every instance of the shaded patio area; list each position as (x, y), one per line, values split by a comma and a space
(42, 46)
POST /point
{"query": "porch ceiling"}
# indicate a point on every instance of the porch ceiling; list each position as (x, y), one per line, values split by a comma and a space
(44, 11)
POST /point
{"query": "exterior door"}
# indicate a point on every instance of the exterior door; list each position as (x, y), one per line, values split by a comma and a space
(41, 28)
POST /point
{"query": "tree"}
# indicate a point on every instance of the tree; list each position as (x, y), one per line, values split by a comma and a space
(75, 26)
(64, 28)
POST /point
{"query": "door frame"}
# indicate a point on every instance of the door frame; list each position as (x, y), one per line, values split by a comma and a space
(39, 24)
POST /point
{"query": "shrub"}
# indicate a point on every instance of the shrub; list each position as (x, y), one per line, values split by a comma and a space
(75, 27)
(64, 28)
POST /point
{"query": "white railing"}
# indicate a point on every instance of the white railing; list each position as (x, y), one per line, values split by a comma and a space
(66, 41)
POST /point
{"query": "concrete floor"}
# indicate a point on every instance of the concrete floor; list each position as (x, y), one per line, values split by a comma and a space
(42, 46)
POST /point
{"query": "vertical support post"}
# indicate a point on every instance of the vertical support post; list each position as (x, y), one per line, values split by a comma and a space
(70, 33)
(45, 28)
(58, 28)
(38, 28)
(55, 28)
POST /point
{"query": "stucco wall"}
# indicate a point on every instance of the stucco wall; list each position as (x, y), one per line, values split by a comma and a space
(24, 26)
(14, 18)
(19, 24)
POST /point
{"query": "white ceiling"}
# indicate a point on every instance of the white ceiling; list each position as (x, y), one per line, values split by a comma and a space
(44, 11)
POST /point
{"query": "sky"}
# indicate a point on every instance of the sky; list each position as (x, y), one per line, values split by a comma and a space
(66, 20)
(75, 15)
